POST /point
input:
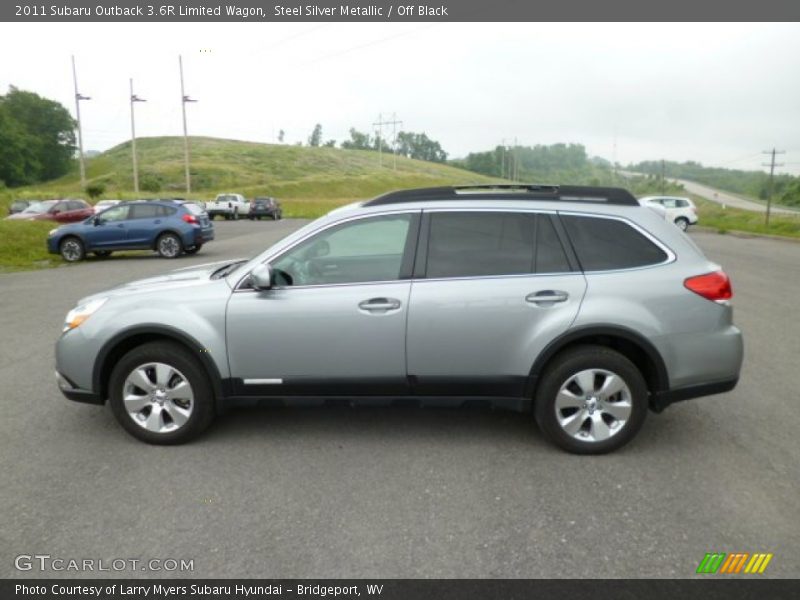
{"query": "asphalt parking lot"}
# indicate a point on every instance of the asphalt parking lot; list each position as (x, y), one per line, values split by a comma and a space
(401, 492)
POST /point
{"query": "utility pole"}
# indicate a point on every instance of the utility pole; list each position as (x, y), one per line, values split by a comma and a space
(516, 162)
(395, 123)
(771, 164)
(503, 158)
(134, 98)
(78, 99)
(663, 182)
(184, 100)
(379, 124)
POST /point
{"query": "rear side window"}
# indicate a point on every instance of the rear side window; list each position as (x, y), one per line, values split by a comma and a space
(476, 244)
(144, 211)
(192, 208)
(607, 244)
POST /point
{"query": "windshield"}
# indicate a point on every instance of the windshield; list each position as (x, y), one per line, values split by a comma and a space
(39, 207)
(194, 208)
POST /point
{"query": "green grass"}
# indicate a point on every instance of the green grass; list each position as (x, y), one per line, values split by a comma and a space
(729, 219)
(290, 173)
(23, 246)
(309, 182)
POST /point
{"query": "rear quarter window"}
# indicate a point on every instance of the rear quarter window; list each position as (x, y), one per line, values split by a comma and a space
(603, 244)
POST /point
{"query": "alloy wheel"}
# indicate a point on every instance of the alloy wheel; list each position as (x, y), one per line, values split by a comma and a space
(593, 405)
(158, 397)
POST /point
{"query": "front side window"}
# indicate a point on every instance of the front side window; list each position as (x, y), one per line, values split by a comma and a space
(609, 244)
(118, 213)
(358, 251)
(476, 244)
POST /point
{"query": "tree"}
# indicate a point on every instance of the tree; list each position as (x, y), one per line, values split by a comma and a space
(281, 135)
(94, 190)
(316, 136)
(42, 131)
(330, 144)
(358, 141)
(420, 147)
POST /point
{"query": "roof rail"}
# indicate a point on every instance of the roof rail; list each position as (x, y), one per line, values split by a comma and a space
(510, 191)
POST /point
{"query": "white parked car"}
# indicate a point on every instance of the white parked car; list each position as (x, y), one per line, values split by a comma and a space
(680, 211)
(230, 206)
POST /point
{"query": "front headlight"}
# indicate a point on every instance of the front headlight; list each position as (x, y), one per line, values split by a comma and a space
(80, 313)
(52, 232)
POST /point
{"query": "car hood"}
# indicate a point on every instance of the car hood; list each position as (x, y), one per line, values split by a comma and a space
(22, 216)
(184, 277)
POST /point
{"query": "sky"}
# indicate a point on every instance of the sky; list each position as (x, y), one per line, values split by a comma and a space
(719, 94)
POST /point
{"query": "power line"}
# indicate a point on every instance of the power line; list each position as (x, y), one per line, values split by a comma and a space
(771, 164)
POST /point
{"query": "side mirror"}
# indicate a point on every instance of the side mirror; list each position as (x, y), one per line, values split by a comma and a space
(261, 277)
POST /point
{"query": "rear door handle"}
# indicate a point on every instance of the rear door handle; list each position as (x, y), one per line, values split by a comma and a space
(379, 304)
(547, 297)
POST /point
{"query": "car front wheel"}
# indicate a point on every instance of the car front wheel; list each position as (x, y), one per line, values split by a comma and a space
(72, 249)
(591, 400)
(682, 223)
(169, 245)
(160, 394)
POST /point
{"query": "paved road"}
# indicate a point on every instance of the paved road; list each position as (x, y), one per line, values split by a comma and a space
(402, 492)
(729, 199)
(720, 197)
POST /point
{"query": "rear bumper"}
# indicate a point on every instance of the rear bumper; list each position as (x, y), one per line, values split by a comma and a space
(661, 400)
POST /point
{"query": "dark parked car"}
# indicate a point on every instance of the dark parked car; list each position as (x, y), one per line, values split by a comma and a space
(62, 211)
(166, 226)
(19, 205)
(265, 207)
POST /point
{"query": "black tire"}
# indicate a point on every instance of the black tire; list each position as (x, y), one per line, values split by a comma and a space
(563, 368)
(169, 245)
(72, 249)
(193, 249)
(682, 223)
(187, 367)
(102, 253)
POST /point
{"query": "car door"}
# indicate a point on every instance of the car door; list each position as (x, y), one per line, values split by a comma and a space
(110, 228)
(60, 212)
(144, 221)
(491, 289)
(334, 322)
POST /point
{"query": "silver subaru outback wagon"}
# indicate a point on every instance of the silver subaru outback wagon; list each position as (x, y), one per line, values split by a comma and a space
(573, 303)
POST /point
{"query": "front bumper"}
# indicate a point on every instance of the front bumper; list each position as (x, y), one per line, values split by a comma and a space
(72, 392)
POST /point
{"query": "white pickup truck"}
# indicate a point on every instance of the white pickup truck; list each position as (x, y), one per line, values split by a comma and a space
(230, 206)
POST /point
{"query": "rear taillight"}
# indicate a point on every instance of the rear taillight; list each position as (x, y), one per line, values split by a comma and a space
(190, 219)
(714, 286)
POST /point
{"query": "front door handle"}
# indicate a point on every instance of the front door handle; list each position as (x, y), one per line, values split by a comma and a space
(547, 297)
(379, 304)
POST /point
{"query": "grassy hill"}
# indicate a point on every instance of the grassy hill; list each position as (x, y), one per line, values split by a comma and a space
(309, 181)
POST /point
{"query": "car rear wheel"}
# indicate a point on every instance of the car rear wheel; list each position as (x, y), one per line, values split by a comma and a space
(160, 394)
(169, 245)
(682, 223)
(72, 249)
(102, 253)
(591, 400)
(193, 249)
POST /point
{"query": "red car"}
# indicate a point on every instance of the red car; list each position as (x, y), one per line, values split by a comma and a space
(63, 211)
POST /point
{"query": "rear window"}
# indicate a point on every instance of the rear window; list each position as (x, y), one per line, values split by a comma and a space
(194, 208)
(607, 244)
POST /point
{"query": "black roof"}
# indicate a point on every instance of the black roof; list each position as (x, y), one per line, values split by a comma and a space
(515, 191)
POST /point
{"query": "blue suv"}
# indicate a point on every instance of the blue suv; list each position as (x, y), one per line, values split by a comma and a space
(169, 227)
